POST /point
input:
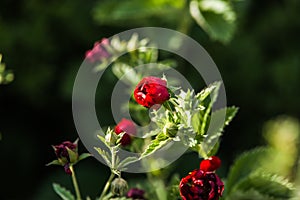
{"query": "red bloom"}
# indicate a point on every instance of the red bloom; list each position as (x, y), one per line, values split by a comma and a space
(62, 154)
(61, 149)
(136, 193)
(211, 164)
(150, 91)
(200, 185)
(98, 52)
(128, 127)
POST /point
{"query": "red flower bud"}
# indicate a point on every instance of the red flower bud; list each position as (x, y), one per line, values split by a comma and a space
(98, 52)
(63, 156)
(61, 149)
(211, 164)
(128, 127)
(150, 91)
(201, 185)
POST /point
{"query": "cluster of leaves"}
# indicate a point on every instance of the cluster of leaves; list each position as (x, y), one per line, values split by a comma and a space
(216, 17)
(259, 174)
(187, 118)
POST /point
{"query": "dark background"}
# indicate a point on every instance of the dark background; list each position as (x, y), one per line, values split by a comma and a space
(44, 43)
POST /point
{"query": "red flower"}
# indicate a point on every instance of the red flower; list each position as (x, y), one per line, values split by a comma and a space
(61, 149)
(98, 52)
(150, 91)
(63, 156)
(211, 164)
(136, 193)
(200, 185)
(128, 127)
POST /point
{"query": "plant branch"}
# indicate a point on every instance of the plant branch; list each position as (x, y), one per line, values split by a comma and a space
(77, 191)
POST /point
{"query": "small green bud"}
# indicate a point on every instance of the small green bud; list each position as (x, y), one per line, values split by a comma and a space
(170, 129)
(119, 187)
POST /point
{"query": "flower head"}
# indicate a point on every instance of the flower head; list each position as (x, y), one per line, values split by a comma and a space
(61, 150)
(128, 127)
(150, 91)
(136, 193)
(203, 183)
(98, 52)
(67, 155)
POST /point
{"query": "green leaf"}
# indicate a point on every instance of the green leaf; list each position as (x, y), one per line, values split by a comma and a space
(267, 184)
(126, 162)
(54, 162)
(84, 156)
(250, 194)
(155, 144)
(216, 17)
(218, 120)
(244, 165)
(100, 137)
(63, 192)
(213, 91)
(105, 155)
(117, 12)
(72, 155)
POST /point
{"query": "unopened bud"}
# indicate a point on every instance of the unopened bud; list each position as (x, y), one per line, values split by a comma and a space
(119, 187)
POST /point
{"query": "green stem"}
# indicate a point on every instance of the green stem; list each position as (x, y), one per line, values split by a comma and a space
(201, 152)
(106, 187)
(77, 191)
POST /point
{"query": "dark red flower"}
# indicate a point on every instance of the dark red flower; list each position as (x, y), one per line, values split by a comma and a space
(63, 156)
(128, 127)
(150, 91)
(136, 193)
(211, 164)
(200, 185)
(61, 149)
(98, 52)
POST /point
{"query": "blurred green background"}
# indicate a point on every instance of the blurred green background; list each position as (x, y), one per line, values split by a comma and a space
(44, 43)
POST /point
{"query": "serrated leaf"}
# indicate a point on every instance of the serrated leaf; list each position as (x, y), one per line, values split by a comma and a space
(244, 165)
(267, 184)
(105, 155)
(213, 90)
(217, 122)
(216, 17)
(63, 192)
(155, 144)
(249, 195)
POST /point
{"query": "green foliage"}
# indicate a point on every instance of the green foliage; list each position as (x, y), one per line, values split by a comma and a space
(63, 192)
(244, 165)
(5, 76)
(248, 176)
(160, 140)
(136, 11)
(216, 17)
